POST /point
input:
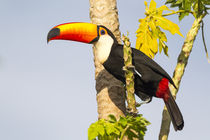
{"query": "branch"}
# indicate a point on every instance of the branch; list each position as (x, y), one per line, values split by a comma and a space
(129, 75)
(123, 132)
(204, 42)
(179, 72)
(180, 11)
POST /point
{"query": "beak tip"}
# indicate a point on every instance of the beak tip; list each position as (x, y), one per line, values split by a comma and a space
(48, 40)
(55, 32)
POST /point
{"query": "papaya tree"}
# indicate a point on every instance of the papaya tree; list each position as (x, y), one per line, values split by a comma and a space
(112, 122)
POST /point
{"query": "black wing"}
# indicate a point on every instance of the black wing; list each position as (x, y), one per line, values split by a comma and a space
(143, 64)
(148, 69)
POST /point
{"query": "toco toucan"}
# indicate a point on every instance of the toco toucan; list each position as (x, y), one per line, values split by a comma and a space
(149, 78)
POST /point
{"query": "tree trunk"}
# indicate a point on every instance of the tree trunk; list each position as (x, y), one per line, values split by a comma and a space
(178, 73)
(110, 91)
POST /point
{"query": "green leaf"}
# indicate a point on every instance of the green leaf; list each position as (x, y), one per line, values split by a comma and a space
(160, 47)
(100, 129)
(165, 49)
(179, 2)
(111, 129)
(92, 133)
(131, 135)
(206, 2)
(182, 15)
(161, 35)
(187, 4)
(112, 118)
(132, 127)
(123, 121)
(198, 6)
(169, 1)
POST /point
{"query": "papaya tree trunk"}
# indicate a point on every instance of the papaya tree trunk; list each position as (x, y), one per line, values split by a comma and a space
(110, 91)
(178, 73)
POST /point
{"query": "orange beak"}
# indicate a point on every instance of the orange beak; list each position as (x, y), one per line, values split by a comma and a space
(76, 31)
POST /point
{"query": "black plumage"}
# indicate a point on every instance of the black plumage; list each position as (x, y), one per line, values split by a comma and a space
(147, 78)
(151, 73)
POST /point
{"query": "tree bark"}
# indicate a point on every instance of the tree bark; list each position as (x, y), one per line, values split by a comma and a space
(179, 72)
(110, 91)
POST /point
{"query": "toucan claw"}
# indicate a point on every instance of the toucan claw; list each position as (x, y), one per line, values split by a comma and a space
(131, 112)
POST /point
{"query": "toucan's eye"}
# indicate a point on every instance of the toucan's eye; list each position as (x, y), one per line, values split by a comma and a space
(102, 32)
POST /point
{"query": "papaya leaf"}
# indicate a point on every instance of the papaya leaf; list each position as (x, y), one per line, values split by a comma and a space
(149, 31)
(112, 118)
(168, 25)
(100, 129)
(132, 127)
(123, 121)
(198, 7)
(165, 50)
(111, 129)
(92, 134)
(206, 2)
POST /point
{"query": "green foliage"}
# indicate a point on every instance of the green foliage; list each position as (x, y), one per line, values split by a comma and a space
(198, 6)
(132, 127)
(149, 31)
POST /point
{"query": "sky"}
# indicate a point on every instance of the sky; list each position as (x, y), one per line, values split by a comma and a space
(47, 91)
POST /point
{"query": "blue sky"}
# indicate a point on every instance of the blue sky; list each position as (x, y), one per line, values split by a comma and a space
(47, 91)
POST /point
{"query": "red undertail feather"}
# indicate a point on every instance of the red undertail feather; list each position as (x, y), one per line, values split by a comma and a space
(163, 91)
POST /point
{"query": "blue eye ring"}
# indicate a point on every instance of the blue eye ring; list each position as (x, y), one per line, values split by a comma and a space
(102, 32)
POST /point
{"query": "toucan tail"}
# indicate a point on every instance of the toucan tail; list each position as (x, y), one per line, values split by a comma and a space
(174, 112)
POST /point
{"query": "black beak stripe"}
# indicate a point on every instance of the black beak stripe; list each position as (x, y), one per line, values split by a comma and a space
(53, 33)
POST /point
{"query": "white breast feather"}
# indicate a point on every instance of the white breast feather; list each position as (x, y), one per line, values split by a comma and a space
(103, 48)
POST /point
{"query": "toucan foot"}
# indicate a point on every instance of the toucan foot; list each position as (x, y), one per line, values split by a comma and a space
(131, 112)
(144, 102)
(131, 67)
(144, 97)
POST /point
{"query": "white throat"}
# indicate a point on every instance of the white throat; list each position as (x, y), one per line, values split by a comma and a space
(103, 48)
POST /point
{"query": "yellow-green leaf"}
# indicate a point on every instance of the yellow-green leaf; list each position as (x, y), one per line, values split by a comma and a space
(168, 25)
(149, 31)
(160, 47)
(166, 50)
(161, 35)
(152, 6)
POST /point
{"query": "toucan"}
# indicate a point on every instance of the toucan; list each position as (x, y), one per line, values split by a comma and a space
(150, 80)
